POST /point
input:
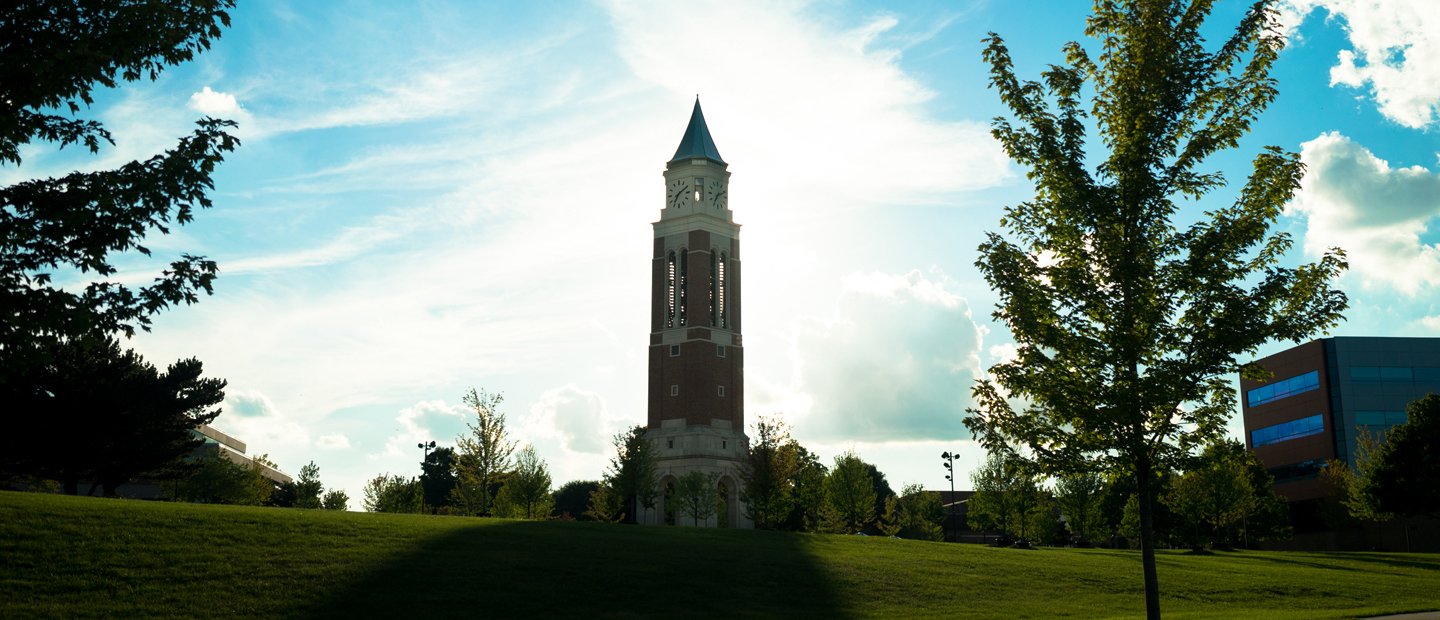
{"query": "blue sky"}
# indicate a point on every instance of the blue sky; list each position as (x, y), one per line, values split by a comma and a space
(430, 199)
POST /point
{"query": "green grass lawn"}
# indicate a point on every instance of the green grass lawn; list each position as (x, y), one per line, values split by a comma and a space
(85, 557)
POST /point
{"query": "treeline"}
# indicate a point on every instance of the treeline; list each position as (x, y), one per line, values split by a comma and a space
(483, 475)
(1222, 499)
(783, 485)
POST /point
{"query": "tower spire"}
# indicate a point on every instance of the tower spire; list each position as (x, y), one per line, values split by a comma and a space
(697, 141)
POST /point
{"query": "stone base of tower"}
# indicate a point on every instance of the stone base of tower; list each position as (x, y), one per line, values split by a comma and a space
(717, 450)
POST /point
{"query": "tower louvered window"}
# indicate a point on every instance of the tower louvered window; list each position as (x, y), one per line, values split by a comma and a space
(722, 319)
(670, 290)
(714, 275)
(682, 278)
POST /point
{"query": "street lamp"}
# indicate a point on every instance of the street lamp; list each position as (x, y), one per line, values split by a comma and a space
(425, 449)
(949, 475)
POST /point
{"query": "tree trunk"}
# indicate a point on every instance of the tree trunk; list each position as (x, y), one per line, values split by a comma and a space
(1147, 538)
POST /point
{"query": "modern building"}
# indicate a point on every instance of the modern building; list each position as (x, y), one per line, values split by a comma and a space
(1323, 394)
(697, 382)
(221, 445)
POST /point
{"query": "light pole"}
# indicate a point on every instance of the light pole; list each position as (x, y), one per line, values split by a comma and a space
(949, 475)
(425, 449)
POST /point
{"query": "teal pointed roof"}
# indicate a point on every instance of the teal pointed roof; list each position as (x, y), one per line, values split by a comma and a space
(697, 141)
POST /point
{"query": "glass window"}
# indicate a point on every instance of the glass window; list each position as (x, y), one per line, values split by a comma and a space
(1285, 431)
(1364, 373)
(1426, 374)
(1281, 389)
(1395, 373)
(1297, 471)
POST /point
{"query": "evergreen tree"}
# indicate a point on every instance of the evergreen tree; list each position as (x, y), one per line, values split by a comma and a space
(1129, 327)
(136, 419)
(308, 488)
(437, 476)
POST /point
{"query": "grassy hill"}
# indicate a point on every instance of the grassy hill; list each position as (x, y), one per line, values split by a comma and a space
(77, 557)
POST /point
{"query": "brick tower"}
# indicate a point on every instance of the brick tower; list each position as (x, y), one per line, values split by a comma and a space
(697, 380)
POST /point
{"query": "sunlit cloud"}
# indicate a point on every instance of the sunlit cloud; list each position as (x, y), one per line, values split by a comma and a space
(1395, 55)
(1354, 200)
(896, 362)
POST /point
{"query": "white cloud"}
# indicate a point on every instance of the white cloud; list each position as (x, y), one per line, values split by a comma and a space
(252, 417)
(334, 441)
(216, 104)
(846, 125)
(577, 419)
(1355, 200)
(1431, 323)
(424, 422)
(1396, 53)
(896, 362)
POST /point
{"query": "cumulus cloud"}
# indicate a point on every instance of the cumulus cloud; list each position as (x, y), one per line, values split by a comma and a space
(213, 103)
(253, 418)
(423, 422)
(1396, 53)
(896, 362)
(575, 417)
(1378, 214)
(336, 441)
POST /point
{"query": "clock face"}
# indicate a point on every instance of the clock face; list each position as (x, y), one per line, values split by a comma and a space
(717, 197)
(676, 193)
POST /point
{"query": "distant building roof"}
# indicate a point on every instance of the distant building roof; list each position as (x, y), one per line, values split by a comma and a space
(697, 141)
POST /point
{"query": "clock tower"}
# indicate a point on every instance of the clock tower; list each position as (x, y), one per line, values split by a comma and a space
(697, 380)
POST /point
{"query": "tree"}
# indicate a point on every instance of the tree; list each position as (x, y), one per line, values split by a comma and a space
(1405, 477)
(768, 475)
(386, 493)
(1008, 498)
(605, 504)
(1214, 494)
(1128, 326)
(915, 513)
(56, 53)
(308, 489)
(696, 496)
(850, 494)
(632, 471)
(992, 506)
(335, 500)
(136, 418)
(1079, 495)
(808, 490)
(527, 490)
(437, 476)
(1354, 485)
(218, 480)
(572, 498)
(483, 457)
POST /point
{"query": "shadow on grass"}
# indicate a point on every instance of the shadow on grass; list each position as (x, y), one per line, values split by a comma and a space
(530, 569)
(1333, 561)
